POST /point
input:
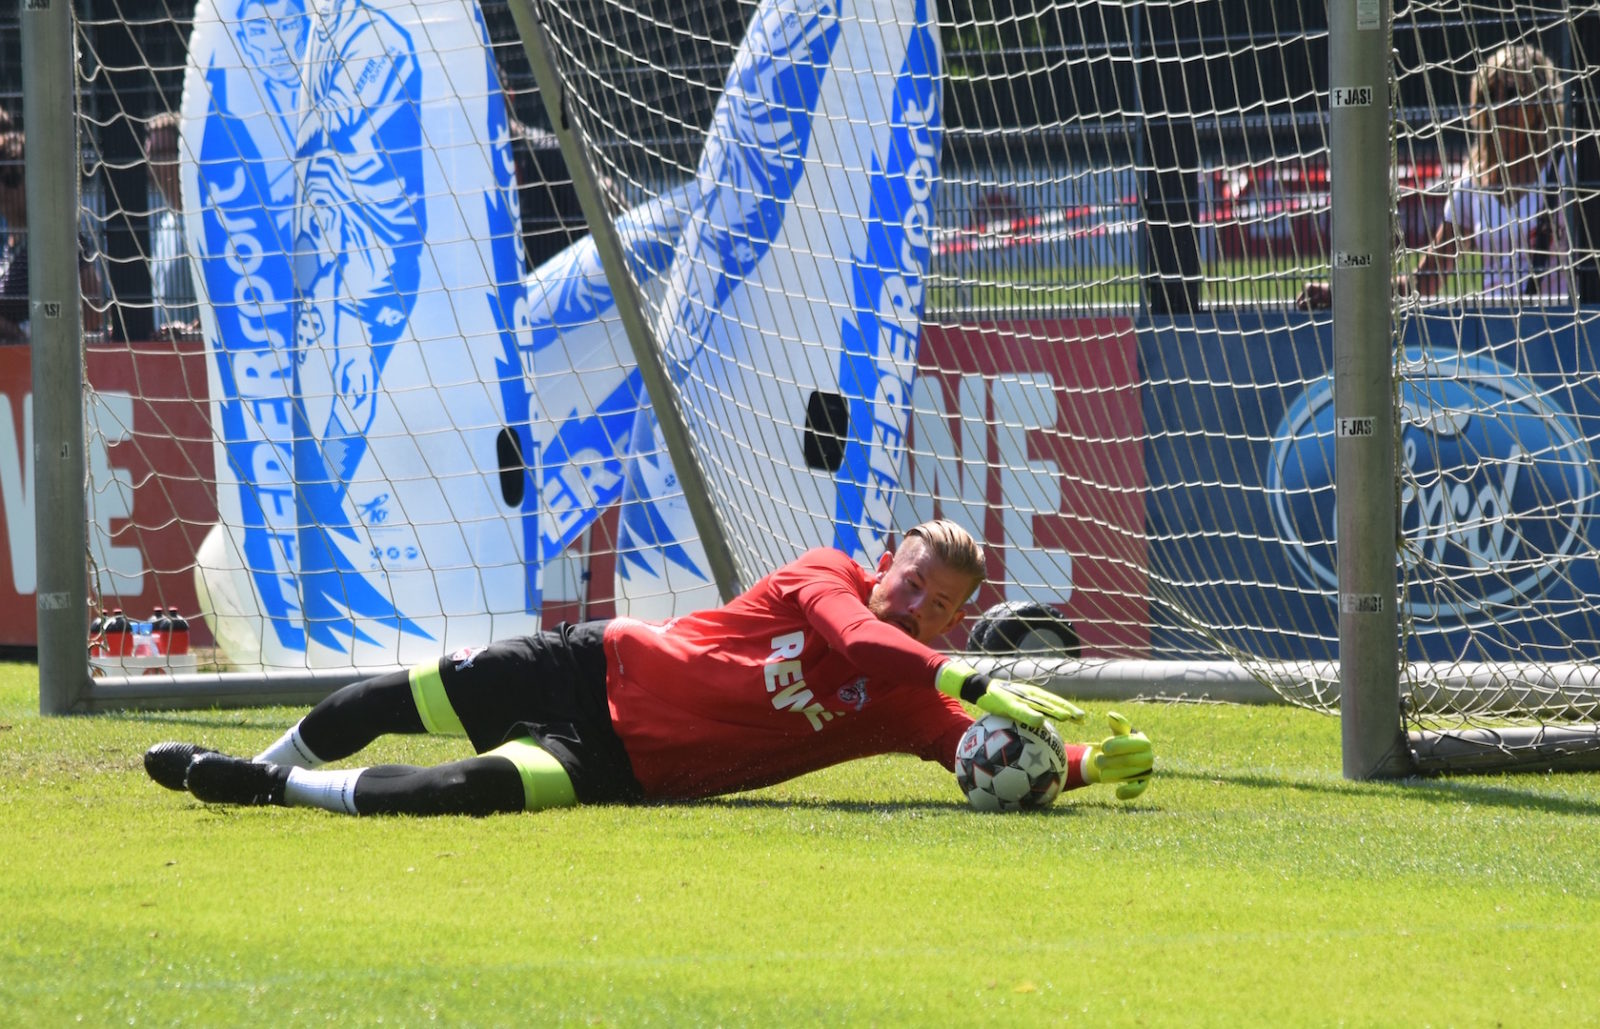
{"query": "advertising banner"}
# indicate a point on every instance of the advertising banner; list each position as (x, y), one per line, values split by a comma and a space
(1497, 484)
(1028, 434)
(150, 499)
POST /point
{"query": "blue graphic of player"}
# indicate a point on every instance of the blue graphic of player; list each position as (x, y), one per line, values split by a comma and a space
(272, 35)
(754, 157)
(575, 332)
(359, 230)
(245, 188)
(508, 307)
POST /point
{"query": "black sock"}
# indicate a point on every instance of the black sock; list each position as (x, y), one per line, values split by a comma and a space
(350, 718)
(483, 785)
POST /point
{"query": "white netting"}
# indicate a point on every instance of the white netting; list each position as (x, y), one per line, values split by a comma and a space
(1110, 461)
(1496, 146)
(1031, 267)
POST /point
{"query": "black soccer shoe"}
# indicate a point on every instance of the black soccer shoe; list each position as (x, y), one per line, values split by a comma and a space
(168, 763)
(220, 779)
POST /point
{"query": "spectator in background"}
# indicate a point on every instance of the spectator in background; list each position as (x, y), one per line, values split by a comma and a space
(14, 311)
(14, 241)
(1506, 205)
(177, 314)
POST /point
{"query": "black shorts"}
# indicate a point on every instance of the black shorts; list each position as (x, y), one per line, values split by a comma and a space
(550, 686)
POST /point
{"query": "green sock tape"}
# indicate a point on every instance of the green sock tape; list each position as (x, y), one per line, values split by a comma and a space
(427, 690)
(544, 782)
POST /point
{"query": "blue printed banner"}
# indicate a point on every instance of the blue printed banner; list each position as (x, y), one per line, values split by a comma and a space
(818, 170)
(1497, 485)
(365, 337)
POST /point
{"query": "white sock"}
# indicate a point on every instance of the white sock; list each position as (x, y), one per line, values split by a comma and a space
(290, 751)
(329, 790)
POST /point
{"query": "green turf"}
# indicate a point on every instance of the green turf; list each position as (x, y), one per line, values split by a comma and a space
(1244, 283)
(1251, 886)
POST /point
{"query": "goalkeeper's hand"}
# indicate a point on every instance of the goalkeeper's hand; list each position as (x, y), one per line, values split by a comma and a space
(1019, 701)
(1125, 758)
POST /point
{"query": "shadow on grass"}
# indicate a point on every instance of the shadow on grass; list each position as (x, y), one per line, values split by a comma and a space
(1068, 806)
(1427, 789)
(859, 807)
(241, 718)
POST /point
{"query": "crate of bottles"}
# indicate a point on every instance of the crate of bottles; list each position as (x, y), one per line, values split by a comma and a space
(119, 645)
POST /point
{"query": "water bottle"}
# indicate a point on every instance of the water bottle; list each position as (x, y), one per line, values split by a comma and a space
(180, 633)
(119, 643)
(161, 631)
(144, 639)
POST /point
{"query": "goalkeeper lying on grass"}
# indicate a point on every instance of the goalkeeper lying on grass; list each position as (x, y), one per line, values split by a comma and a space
(818, 663)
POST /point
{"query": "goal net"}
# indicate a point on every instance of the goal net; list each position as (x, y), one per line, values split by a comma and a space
(1496, 361)
(1059, 272)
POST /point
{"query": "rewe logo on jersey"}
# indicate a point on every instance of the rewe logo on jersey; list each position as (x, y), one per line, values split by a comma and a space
(785, 679)
(1497, 486)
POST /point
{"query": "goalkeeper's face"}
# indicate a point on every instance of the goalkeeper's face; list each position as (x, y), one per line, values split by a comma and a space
(918, 593)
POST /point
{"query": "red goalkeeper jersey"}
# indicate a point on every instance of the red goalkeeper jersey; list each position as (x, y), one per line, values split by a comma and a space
(794, 675)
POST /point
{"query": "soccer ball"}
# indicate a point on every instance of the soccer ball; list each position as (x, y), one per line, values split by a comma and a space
(1020, 626)
(1003, 766)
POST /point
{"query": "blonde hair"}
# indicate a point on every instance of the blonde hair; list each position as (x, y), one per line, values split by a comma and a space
(954, 547)
(1514, 73)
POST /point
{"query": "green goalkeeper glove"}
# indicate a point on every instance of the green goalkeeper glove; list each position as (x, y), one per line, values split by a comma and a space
(1124, 758)
(1019, 701)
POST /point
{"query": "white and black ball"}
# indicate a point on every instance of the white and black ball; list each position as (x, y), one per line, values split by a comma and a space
(1018, 627)
(1003, 766)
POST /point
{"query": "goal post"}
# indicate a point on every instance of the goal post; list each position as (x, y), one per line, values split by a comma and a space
(853, 266)
(57, 374)
(1360, 167)
(723, 568)
(1395, 690)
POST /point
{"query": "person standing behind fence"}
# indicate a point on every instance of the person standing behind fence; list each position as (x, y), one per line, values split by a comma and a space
(15, 315)
(177, 314)
(1506, 205)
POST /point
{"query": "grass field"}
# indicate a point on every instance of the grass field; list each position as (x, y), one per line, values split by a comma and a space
(1065, 289)
(1251, 885)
